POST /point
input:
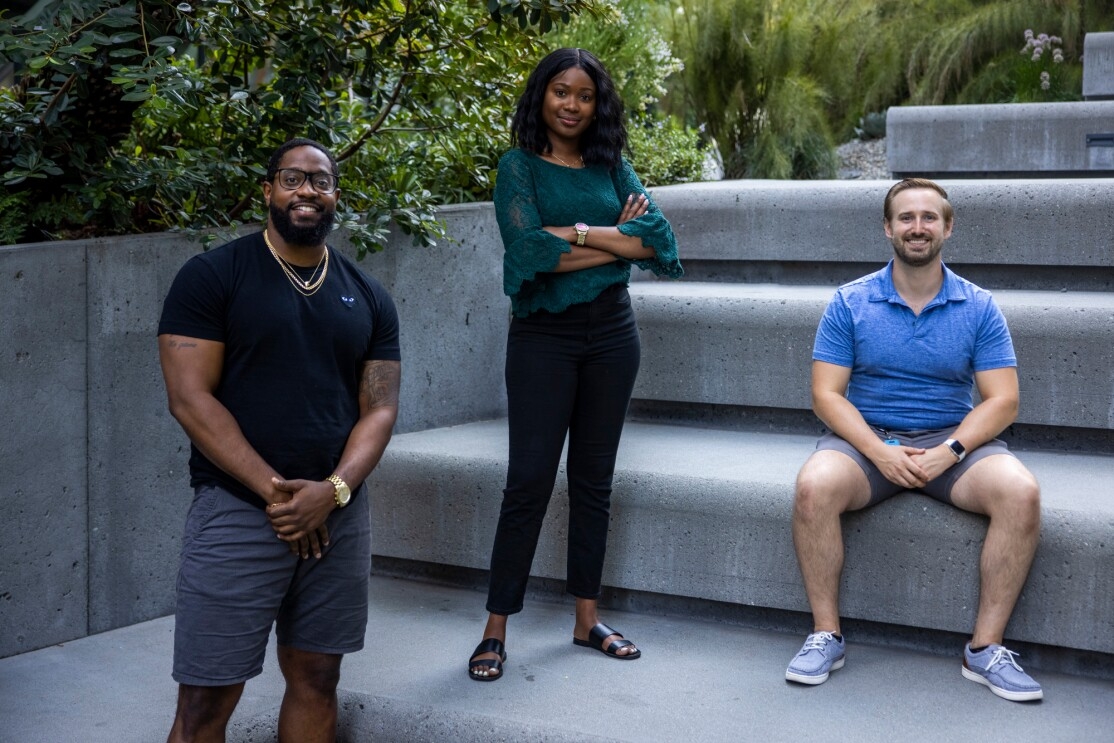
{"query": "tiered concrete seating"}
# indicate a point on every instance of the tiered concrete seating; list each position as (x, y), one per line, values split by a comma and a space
(704, 486)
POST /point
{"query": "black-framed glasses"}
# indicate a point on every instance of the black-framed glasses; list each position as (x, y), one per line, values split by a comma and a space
(292, 179)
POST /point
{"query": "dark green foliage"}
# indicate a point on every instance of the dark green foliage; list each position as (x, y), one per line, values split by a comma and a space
(665, 152)
(13, 216)
(140, 115)
(871, 126)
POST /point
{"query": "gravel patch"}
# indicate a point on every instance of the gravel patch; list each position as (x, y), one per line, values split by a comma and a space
(860, 160)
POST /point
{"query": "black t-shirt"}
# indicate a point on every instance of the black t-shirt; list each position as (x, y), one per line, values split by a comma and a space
(292, 364)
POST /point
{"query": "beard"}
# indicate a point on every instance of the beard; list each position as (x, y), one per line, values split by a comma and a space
(916, 260)
(310, 235)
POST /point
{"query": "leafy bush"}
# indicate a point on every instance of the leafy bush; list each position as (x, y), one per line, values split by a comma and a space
(141, 115)
(13, 213)
(748, 76)
(871, 126)
(665, 152)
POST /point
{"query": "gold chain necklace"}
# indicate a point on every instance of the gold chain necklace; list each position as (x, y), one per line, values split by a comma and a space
(558, 158)
(305, 287)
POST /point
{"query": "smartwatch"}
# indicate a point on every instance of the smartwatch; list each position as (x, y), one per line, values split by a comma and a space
(581, 232)
(957, 449)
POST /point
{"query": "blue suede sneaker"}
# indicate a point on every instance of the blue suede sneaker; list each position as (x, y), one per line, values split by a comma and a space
(821, 654)
(996, 668)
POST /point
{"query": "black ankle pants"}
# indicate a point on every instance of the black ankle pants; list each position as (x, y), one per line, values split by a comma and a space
(568, 372)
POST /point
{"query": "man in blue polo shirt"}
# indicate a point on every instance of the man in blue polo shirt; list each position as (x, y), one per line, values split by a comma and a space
(896, 357)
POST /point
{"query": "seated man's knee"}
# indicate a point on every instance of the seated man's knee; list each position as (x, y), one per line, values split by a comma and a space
(1014, 494)
(823, 487)
(1026, 494)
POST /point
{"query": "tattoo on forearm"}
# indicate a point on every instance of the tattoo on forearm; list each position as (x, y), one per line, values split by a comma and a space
(379, 386)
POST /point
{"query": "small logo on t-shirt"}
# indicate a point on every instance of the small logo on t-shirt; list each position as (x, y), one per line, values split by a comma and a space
(350, 301)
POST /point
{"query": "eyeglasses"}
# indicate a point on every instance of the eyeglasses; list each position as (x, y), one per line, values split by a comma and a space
(292, 179)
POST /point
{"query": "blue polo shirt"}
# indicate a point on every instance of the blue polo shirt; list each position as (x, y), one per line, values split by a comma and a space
(913, 372)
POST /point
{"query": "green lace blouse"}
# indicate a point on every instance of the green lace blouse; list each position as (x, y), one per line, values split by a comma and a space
(531, 193)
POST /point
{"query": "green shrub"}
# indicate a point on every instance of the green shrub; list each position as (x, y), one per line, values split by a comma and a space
(13, 217)
(144, 115)
(664, 152)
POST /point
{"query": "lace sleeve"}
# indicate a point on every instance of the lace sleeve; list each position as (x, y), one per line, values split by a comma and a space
(652, 227)
(528, 249)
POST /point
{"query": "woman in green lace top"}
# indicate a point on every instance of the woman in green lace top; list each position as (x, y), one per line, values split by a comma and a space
(574, 218)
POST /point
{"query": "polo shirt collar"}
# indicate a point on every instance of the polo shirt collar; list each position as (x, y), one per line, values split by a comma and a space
(882, 288)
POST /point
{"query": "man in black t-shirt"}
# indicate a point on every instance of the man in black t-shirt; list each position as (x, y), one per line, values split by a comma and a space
(282, 364)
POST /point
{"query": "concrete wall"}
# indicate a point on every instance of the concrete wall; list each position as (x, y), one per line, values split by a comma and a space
(43, 486)
(93, 473)
(1010, 139)
(1098, 68)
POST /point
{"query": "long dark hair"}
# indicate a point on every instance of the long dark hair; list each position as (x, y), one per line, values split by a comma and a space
(603, 141)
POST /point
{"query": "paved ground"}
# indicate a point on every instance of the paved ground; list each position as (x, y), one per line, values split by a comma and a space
(697, 681)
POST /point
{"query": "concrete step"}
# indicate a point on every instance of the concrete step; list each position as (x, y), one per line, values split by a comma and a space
(697, 681)
(1044, 223)
(751, 345)
(1000, 140)
(705, 514)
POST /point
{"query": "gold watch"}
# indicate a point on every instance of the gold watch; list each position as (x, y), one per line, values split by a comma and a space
(581, 232)
(342, 494)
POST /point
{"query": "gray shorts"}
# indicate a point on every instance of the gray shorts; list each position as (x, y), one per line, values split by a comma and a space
(237, 578)
(940, 488)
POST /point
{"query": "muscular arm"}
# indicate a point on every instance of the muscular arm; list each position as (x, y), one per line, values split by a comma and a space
(192, 369)
(830, 403)
(379, 389)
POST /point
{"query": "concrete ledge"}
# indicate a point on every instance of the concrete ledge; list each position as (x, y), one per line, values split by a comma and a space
(1023, 222)
(751, 345)
(1098, 66)
(995, 140)
(706, 514)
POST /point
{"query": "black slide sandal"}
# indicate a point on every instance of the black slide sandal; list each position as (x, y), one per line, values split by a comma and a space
(600, 633)
(490, 645)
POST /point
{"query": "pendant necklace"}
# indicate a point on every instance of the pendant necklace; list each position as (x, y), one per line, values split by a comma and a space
(305, 287)
(561, 160)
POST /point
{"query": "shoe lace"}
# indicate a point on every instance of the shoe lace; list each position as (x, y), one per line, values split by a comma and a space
(1004, 655)
(817, 641)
